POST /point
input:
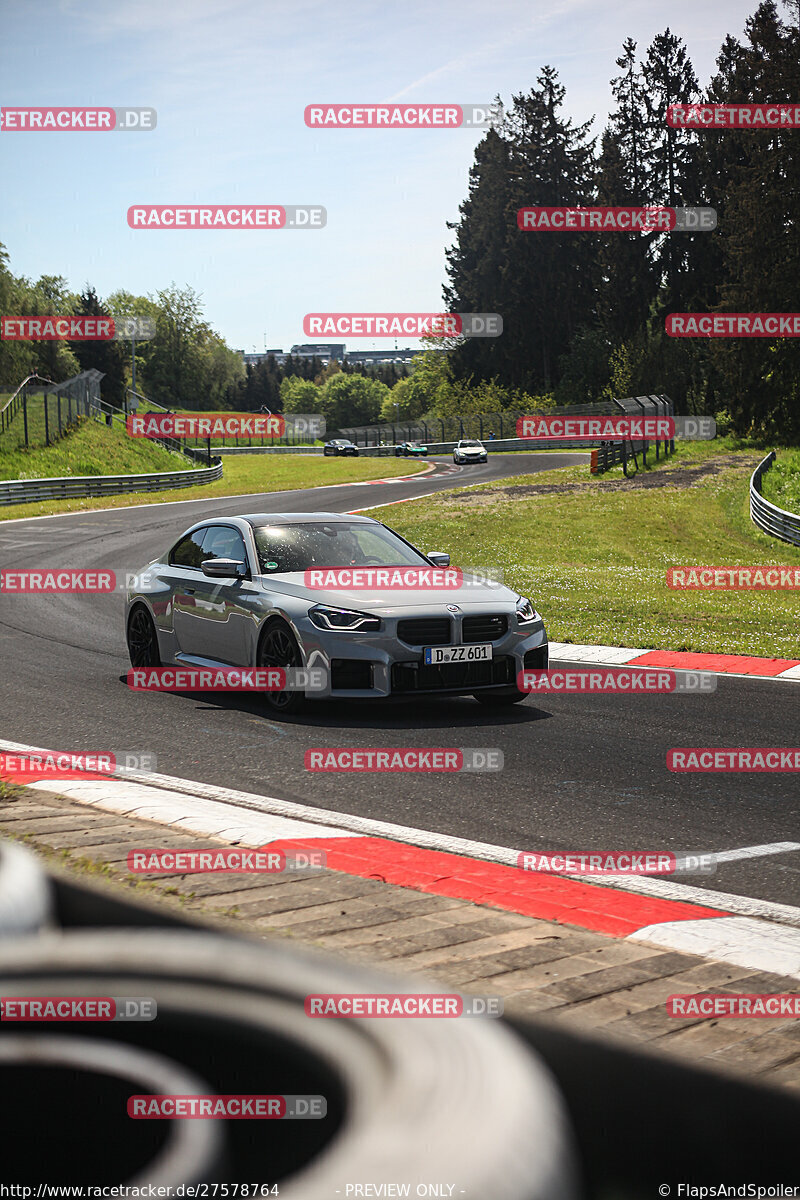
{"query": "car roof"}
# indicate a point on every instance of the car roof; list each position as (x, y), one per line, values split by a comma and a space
(257, 519)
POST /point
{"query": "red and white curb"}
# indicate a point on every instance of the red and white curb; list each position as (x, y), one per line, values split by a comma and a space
(682, 660)
(746, 932)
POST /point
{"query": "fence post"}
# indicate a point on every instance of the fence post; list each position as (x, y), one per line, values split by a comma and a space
(25, 412)
(58, 398)
(46, 422)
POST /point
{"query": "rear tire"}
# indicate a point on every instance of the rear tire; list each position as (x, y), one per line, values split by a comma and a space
(278, 648)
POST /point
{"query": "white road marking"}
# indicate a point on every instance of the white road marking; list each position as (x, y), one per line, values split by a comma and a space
(736, 940)
(193, 814)
(756, 851)
(595, 654)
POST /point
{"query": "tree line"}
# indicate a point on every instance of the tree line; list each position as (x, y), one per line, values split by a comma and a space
(584, 313)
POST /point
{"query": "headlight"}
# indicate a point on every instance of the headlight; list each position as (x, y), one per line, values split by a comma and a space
(347, 620)
(526, 612)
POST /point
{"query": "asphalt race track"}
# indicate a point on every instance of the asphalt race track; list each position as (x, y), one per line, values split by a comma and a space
(581, 772)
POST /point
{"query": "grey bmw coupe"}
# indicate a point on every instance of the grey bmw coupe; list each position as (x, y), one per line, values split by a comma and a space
(344, 593)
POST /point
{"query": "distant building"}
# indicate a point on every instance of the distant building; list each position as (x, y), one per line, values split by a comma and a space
(262, 356)
(322, 350)
(326, 352)
(378, 358)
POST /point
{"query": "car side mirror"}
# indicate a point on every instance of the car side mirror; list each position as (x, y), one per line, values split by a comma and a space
(224, 568)
(438, 558)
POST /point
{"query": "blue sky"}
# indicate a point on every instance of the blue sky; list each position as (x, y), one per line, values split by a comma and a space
(230, 81)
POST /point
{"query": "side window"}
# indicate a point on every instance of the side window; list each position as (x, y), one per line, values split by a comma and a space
(188, 552)
(222, 541)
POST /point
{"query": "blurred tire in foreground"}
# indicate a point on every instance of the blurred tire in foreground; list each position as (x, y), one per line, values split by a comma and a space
(426, 1101)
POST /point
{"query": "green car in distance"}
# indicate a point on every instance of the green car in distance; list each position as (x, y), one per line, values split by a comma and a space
(412, 449)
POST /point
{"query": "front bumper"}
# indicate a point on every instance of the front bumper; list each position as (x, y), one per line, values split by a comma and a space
(380, 665)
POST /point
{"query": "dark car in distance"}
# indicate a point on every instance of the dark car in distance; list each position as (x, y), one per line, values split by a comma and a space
(340, 446)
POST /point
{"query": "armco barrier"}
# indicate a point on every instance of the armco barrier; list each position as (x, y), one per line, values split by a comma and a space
(26, 491)
(767, 516)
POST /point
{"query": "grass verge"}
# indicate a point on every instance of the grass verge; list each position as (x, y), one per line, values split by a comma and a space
(243, 474)
(593, 551)
(91, 448)
(781, 483)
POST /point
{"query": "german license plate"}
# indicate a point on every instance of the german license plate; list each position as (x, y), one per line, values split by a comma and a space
(435, 656)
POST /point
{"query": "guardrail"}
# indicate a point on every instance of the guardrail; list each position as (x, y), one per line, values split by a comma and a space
(777, 522)
(26, 491)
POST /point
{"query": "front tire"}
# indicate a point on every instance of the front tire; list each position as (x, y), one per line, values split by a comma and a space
(142, 639)
(278, 648)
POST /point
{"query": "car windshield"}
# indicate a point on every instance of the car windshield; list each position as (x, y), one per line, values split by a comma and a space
(301, 546)
(471, 446)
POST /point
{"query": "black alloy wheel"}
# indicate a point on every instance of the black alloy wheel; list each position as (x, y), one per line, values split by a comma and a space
(142, 639)
(278, 648)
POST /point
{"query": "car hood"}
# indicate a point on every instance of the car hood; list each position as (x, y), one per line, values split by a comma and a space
(474, 593)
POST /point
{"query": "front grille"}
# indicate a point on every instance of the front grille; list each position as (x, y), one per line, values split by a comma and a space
(425, 631)
(416, 677)
(484, 629)
(350, 674)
